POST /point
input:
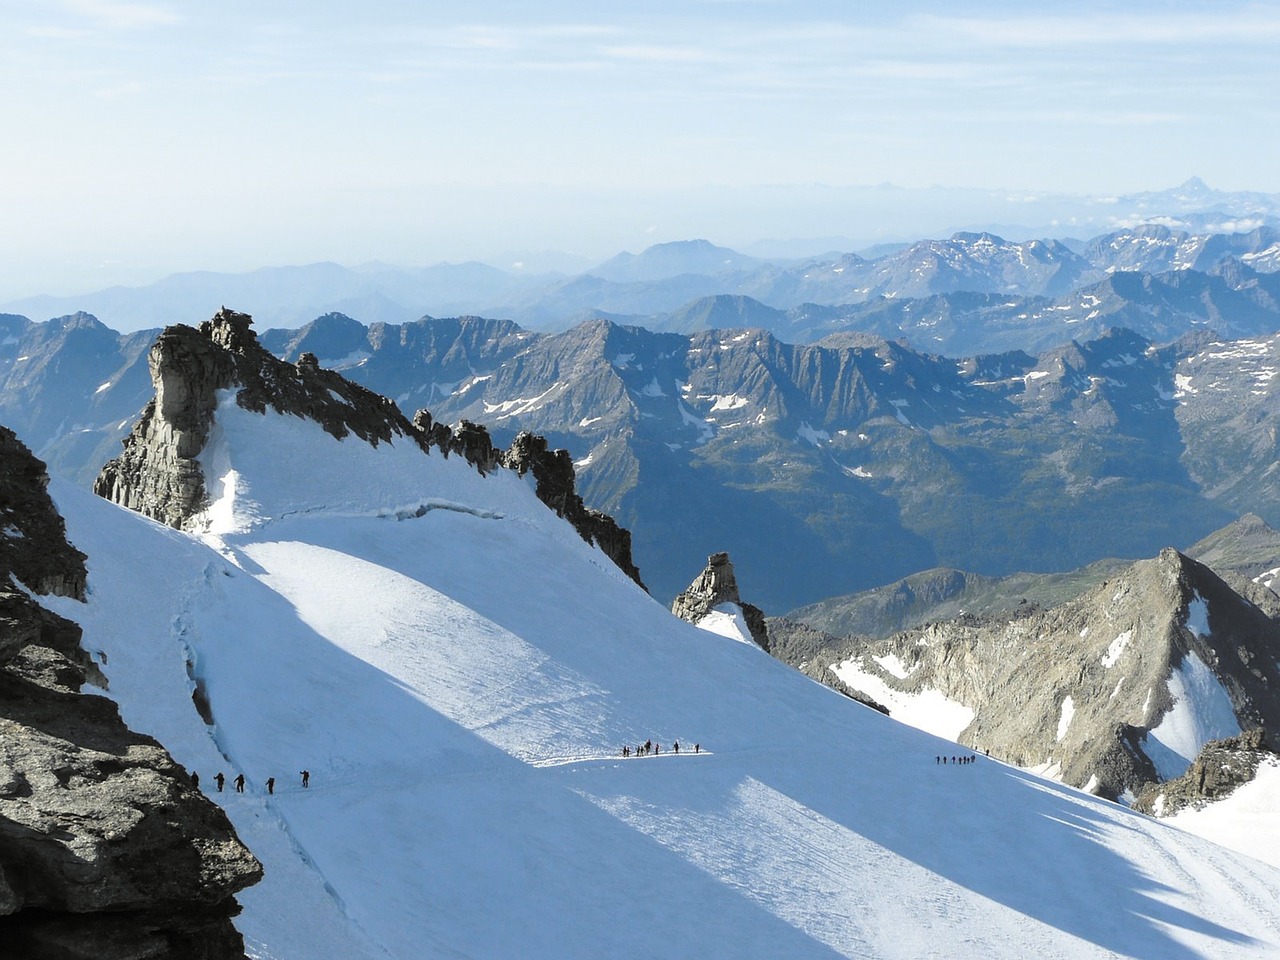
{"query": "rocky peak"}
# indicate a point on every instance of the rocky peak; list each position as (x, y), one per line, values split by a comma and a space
(1100, 690)
(716, 586)
(158, 473)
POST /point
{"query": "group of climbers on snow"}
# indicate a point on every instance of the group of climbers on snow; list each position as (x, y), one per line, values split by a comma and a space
(221, 780)
(651, 749)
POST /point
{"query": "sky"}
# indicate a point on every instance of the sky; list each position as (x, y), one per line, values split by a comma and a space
(143, 138)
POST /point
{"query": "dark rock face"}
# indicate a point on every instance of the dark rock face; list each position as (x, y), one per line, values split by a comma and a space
(33, 538)
(717, 584)
(1222, 767)
(553, 472)
(106, 850)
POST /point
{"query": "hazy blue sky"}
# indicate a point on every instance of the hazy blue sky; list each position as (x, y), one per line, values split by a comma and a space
(142, 138)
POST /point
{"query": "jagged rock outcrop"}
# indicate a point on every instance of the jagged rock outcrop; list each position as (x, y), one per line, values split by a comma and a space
(1222, 767)
(715, 586)
(106, 849)
(33, 537)
(554, 477)
(1113, 690)
(158, 473)
(469, 440)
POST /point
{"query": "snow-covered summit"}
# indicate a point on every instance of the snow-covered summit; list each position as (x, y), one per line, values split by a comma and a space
(185, 462)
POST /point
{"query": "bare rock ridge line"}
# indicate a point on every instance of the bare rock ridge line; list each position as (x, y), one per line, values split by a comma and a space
(158, 475)
(106, 849)
(1084, 689)
(718, 585)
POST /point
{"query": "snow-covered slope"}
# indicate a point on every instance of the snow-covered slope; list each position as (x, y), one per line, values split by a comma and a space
(458, 671)
(1244, 821)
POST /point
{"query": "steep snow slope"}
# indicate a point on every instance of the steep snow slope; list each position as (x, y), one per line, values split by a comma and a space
(458, 671)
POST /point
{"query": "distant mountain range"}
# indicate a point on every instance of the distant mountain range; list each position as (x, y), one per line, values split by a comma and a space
(939, 294)
(823, 468)
(1247, 549)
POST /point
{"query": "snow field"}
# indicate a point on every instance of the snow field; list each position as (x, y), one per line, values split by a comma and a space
(929, 710)
(459, 685)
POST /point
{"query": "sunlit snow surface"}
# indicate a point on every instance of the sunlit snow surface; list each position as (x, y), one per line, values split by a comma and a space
(726, 620)
(1201, 712)
(929, 710)
(1245, 821)
(460, 684)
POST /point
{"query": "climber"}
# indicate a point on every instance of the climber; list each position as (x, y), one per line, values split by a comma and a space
(271, 784)
(306, 778)
(676, 746)
(195, 780)
(239, 783)
(221, 779)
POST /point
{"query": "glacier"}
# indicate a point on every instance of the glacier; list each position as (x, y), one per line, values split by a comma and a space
(458, 671)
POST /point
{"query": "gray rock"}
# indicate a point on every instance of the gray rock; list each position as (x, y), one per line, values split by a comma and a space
(718, 585)
(1078, 687)
(1222, 767)
(33, 541)
(554, 477)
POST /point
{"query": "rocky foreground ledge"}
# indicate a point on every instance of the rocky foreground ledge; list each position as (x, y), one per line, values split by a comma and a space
(106, 850)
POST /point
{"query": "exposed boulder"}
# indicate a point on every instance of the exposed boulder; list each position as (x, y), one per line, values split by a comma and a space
(106, 849)
(713, 589)
(33, 538)
(1221, 768)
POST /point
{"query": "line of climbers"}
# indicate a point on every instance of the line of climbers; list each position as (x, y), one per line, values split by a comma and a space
(221, 780)
(649, 748)
(971, 758)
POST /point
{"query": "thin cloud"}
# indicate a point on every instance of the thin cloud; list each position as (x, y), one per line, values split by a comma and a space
(1249, 26)
(119, 91)
(122, 15)
(662, 53)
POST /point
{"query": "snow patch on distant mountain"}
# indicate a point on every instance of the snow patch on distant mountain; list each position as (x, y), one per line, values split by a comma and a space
(1202, 711)
(1115, 650)
(1064, 719)
(928, 710)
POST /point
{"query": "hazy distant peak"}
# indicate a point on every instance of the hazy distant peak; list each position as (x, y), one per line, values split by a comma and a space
(665, 260)
(1195, 187)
